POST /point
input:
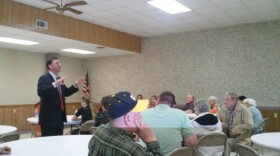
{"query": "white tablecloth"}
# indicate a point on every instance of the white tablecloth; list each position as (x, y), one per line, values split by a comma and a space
(4, 129)
(34, 120)
(267, 140)
(67, 145)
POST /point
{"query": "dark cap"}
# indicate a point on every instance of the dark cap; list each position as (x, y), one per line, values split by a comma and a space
(120, 104)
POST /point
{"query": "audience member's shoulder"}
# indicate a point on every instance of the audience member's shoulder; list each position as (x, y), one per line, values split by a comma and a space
(178, 110)
(179, 106)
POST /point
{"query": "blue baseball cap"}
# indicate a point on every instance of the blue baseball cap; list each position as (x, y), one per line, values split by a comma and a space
(120, 104)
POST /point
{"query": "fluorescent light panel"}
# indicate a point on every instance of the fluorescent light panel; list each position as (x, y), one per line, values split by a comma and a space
(78, 51)
(169, 6)
(17, 41)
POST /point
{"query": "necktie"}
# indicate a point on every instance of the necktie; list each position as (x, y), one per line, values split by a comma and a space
(230, 121)
(60, 95)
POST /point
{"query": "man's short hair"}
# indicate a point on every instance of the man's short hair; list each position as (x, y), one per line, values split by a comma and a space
(49, 61)
(167, 97)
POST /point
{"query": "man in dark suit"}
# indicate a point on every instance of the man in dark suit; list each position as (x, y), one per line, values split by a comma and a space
(52, 92)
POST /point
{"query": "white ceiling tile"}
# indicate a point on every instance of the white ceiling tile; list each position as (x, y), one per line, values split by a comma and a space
(199, 4)
(258, 3)
(221, 2)
(141, 19)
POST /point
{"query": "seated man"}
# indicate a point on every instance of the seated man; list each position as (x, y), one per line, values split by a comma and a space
(235, 118)
(189, 104)
(117, 137)
(206, 123)
(172, 127)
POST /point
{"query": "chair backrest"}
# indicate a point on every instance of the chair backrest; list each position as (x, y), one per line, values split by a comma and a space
(244, 150)
(261, 125)
(244, 135)
(9, 137)
(92, 130)
(182, 151)
(86, 126)
(211, 140)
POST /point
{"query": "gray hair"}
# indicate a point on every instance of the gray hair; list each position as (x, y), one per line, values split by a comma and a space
(202, 106)
(212, 98)
(232, 95)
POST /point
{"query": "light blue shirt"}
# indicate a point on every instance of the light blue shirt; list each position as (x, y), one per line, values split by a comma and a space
(257, 117)
(170, 126)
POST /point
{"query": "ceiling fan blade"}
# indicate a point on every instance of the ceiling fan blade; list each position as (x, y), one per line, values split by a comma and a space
(50, 2)
(74, 11)
(76, 3)
(50, 8)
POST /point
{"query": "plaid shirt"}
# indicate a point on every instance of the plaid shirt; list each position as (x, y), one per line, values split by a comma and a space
(112, 141)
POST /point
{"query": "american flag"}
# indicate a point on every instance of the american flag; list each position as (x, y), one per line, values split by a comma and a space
(86, 86)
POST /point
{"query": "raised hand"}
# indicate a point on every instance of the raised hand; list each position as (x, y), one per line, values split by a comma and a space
(80, 80)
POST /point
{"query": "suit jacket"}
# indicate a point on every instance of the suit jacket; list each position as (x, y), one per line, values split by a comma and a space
(50, 109)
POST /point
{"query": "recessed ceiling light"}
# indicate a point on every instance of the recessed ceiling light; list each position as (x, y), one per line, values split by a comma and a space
(78, 51)
(17, 41)
(169, 6)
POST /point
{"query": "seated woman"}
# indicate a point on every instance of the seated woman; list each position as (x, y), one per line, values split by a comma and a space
(214, 107)
(102, 116)
(84, 111)
(153, 101)
(257, 116)
(206, 123)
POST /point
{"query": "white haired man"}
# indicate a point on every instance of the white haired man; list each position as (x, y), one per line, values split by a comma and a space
(235, 118)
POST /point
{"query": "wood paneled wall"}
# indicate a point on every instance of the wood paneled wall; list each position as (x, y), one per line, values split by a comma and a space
(17, 15)
(274, 121)
(16, 115)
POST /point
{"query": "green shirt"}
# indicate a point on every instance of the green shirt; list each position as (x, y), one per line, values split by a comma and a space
(112, 141)
(171, 126)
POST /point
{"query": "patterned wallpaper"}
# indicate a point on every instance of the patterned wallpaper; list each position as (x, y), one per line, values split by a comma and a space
(242, 59)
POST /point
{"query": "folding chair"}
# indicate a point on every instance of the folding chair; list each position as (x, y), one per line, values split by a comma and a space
(244, 150)
(182, 151)
(85, 128)
(261, 125)
(9, 137)
(213, 140)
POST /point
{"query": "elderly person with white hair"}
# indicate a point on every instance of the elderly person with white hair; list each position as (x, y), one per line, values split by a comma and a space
(214, 107)
(257, 116)
(206, 123)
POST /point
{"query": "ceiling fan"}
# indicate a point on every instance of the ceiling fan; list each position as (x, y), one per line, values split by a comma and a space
(67, 6)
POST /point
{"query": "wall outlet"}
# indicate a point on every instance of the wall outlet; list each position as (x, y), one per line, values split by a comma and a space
(275, 115)
(14, 110)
